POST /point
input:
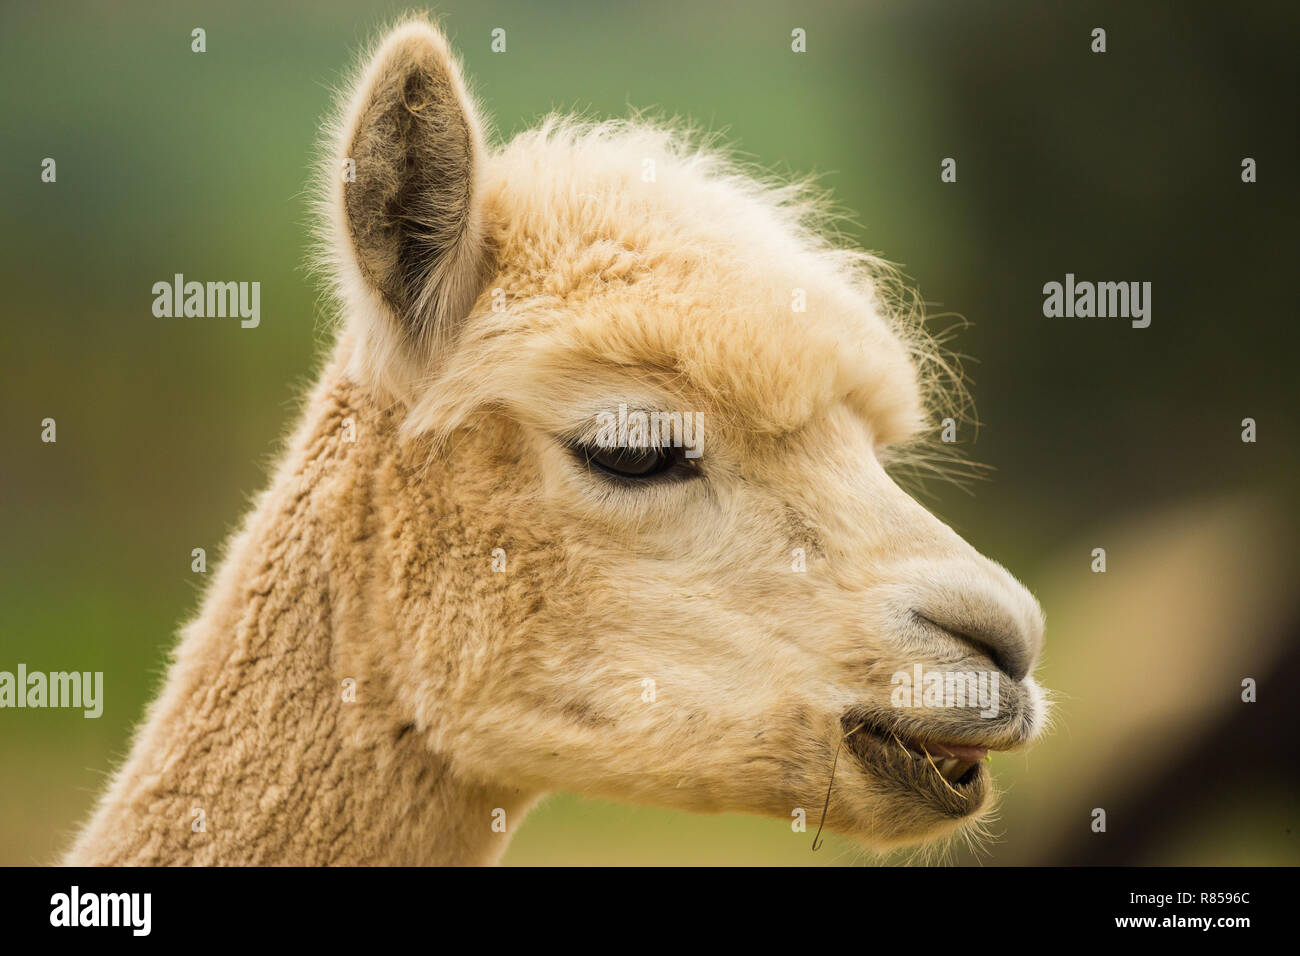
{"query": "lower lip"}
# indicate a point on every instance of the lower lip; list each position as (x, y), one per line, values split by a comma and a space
(951, 799)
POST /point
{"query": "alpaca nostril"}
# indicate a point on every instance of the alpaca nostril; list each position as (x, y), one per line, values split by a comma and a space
(999, 641)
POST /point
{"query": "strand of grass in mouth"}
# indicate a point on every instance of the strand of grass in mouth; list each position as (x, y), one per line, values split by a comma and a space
(840, 746)
(902, 746)
(932, 764)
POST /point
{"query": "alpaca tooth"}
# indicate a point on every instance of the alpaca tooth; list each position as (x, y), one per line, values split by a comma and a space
(946, 767)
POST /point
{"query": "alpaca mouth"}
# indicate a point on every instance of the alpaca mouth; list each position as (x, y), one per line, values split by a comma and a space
(947, 775)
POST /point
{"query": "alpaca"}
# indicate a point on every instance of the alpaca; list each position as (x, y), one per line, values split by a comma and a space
(452, 598)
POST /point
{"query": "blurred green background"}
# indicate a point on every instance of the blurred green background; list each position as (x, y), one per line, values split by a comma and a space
(1122, 166)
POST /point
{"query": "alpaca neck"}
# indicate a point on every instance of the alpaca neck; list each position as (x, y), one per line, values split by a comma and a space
(279, 737)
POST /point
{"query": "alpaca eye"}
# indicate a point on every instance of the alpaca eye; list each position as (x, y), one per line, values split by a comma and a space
(632, 463)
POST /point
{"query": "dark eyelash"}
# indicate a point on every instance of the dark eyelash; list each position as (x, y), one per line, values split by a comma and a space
(662, 464)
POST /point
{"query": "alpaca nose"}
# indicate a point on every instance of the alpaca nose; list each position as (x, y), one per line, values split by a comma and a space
(998, 644)
(991, 612)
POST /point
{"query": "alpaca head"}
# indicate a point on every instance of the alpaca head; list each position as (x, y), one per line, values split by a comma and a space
(646, 379)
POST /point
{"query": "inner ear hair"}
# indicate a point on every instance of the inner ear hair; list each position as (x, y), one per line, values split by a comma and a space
(411, 212)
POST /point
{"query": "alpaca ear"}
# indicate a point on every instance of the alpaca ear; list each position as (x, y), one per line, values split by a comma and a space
(409, 212)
